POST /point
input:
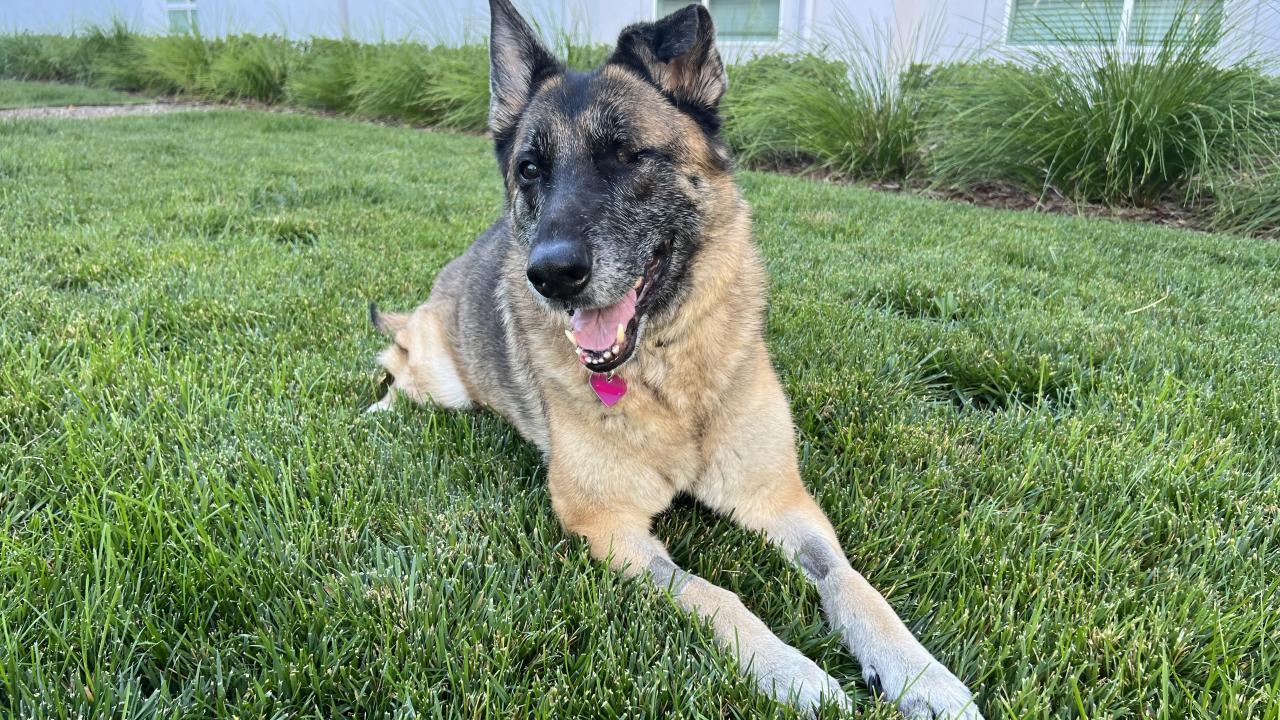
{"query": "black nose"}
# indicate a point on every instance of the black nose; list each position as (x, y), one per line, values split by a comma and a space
(559, 268)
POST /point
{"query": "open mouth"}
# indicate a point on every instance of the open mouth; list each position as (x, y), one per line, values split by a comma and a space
(605, 338)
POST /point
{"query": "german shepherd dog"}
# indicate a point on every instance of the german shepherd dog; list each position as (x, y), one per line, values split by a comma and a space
(624, 232)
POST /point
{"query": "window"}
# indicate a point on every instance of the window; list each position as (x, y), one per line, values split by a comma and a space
(1153, 19)
(1140, 22)
(749, 20)
(1044, 22)
(182, 16)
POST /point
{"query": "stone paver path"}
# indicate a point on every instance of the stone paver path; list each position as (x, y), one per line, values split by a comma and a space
(96, 111)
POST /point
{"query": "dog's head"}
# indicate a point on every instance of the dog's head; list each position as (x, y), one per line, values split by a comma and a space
(610, 173)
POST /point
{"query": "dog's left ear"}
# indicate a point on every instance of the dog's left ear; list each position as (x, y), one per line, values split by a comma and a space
(678, 55)
(518, 64)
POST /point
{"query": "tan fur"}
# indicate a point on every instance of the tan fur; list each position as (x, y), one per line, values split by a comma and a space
(420, 361)
(704, 414)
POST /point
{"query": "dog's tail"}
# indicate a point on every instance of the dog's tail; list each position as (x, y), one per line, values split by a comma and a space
(387, 323)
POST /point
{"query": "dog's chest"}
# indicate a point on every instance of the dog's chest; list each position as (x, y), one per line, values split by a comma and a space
(656, 430)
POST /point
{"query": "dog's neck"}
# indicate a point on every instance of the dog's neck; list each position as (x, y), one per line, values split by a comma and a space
(698, 346)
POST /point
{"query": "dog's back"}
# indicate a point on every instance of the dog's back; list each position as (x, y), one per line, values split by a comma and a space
(455, 349)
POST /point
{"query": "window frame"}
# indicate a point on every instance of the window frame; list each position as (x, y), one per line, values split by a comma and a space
(1122, 33)
(783, 6)
(188, 7)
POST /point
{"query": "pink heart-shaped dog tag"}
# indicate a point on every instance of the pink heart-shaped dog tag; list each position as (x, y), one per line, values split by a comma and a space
(609, 390)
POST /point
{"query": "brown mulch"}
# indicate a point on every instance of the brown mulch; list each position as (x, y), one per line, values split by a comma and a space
(1006, 197)
(999, 196)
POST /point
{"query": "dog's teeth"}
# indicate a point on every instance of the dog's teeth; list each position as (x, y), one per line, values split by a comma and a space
(614, 349)
(572, 339)
(621, 337)
(608, 355)
(639, 280)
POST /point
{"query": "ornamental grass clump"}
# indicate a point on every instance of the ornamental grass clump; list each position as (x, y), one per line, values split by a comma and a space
(1100, 123)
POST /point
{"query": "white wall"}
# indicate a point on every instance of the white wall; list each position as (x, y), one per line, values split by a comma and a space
(1258, 30)
(969, 28)
(64, 16)
(948, 28)
(954, 28)
(430, 20)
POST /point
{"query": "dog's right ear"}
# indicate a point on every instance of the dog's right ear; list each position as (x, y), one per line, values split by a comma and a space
(518, 64)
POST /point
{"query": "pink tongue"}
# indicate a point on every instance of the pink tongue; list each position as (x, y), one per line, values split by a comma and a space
(598, 329)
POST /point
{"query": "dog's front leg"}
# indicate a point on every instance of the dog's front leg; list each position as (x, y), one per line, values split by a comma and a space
(894, 663)
(623, 539)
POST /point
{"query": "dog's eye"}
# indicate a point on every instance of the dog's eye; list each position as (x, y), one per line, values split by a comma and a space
(625, 157)
(529, 170)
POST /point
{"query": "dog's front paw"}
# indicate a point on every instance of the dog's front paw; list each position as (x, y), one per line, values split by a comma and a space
(384, 404)
(921, 689)
(790, 677)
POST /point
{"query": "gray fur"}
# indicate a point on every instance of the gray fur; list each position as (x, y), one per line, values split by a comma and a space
(491, 358)
(667, 575)
(517, 60)
(816, 558)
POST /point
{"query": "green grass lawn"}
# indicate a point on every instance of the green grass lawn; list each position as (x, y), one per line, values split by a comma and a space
(16, 94)
(1052, 443)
